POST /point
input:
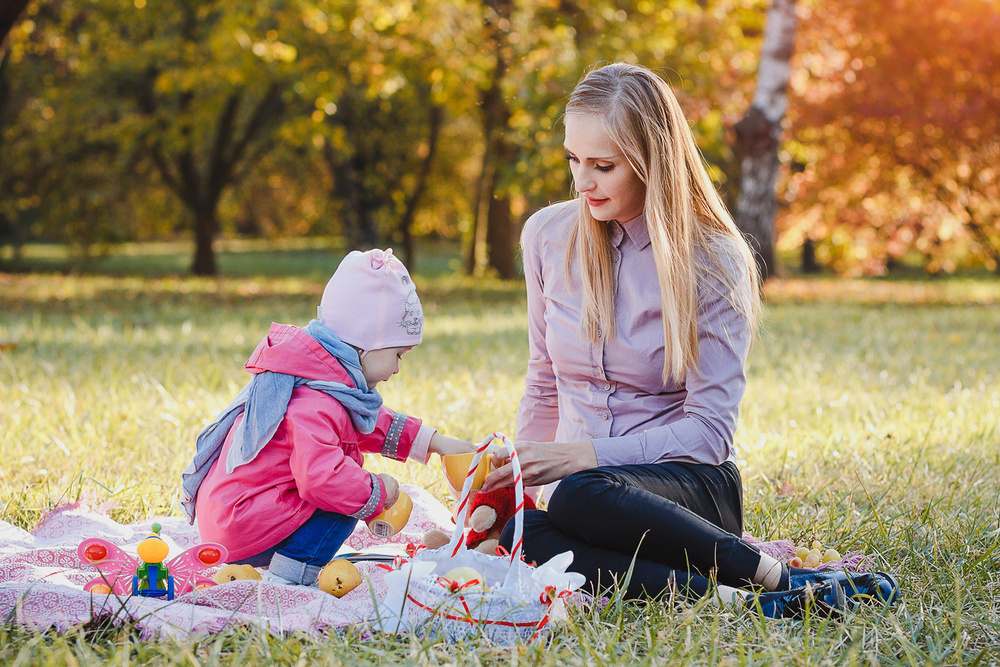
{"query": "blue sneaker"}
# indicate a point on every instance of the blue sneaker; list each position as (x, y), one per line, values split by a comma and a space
(825, 598)
(873, 587)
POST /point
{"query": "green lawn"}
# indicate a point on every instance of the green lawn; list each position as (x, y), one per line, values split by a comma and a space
(870, 422)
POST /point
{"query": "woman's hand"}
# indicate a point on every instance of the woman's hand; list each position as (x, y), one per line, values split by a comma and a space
(443, 445)
(391, 489)
(541, 462)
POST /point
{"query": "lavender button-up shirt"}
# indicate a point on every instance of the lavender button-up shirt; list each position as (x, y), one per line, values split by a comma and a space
(611, 391)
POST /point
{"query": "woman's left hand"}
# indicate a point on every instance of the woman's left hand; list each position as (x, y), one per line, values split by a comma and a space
(541, 462)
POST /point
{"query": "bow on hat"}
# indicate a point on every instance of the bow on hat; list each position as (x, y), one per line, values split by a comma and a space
(380, 258)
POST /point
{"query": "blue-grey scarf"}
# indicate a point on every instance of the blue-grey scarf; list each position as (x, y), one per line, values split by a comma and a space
(264, 401)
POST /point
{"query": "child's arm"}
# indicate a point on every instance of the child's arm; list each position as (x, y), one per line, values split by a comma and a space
(324, 475)
(442, 445)
(394, 436)
(399, 437)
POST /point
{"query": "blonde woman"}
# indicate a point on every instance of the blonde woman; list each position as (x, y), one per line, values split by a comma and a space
(643, 299)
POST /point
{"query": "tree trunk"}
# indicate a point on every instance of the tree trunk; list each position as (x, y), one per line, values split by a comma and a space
(356, 219)
(204, 234)
(484, 192)
(494, 245)
(499, 237)
(809, 263)
(500, 241)
(410, 211)
(758, 136)
(10, 12)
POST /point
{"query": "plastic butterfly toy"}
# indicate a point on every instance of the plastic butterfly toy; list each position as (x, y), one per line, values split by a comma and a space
(122, 574)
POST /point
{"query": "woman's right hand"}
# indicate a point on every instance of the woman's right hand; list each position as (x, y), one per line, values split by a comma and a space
(541, 462)
(391, 489)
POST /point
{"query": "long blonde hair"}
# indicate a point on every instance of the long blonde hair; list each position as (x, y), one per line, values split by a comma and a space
(683, 212)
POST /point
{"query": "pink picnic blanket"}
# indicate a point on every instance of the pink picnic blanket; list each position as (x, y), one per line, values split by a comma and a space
(42, 578)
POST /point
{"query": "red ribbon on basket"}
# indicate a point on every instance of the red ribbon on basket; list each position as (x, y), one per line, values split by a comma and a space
(548, 596)
(551, 594)
(436, 611)
(411, 549)
(397, 563)
(455, 586)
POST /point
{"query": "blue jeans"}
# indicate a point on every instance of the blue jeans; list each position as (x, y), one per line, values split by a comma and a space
(673, 524)
(301, 555)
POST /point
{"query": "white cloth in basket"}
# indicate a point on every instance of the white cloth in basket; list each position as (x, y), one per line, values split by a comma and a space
(514, 602)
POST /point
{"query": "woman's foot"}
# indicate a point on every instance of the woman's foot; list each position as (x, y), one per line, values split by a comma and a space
(824, 598)
(876, 587)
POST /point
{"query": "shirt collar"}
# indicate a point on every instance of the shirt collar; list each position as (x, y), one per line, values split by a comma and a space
(635, 229)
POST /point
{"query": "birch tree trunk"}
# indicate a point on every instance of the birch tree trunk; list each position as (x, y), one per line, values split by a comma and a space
(758, 135)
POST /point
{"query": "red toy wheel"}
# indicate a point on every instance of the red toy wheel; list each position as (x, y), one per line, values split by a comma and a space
(209, 556)
(95, 553)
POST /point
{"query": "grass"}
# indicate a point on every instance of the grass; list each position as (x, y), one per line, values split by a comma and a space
(871, 421)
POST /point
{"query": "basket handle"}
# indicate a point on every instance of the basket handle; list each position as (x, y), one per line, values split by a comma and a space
(458, 536)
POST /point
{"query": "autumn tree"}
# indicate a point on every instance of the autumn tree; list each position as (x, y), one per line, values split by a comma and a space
(369, 119)
(381, 82)
(181, 96)
(53, 173)
(706, 52)
(897, 133)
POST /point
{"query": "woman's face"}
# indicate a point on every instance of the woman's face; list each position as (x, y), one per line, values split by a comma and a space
(601, 174)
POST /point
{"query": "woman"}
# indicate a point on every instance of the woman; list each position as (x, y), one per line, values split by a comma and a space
(643, 299)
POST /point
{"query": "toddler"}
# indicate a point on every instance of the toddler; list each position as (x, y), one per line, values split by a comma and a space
(278, 477)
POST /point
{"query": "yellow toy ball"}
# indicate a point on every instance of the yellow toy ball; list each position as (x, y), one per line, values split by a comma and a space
(339, 577)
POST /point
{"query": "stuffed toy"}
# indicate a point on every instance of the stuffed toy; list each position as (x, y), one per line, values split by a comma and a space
(488, 514)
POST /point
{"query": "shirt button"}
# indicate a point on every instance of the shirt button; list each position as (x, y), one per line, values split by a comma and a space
(604, 415)
(607, 386)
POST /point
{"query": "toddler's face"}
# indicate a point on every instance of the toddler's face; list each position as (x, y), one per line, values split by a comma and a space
(380, 365)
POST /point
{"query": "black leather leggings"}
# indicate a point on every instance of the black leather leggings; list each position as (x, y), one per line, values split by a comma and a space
(678, 522)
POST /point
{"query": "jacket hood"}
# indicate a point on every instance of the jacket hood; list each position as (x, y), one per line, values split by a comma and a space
(290, 350)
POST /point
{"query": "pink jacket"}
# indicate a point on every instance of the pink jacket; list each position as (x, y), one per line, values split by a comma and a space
(314, 461)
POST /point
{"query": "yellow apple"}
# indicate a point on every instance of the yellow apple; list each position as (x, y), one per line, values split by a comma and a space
(339, 577)
(463, 575)
(232, 572)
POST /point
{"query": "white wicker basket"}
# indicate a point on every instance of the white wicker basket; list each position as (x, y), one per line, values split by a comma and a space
(518, 601)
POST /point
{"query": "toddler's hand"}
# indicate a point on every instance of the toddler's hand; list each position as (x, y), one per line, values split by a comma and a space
(391, 489)
(444, 446)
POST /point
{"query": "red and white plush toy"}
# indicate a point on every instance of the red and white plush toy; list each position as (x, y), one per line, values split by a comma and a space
(489, 512)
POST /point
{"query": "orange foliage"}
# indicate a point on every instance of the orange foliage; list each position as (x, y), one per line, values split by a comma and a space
(896, 131)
